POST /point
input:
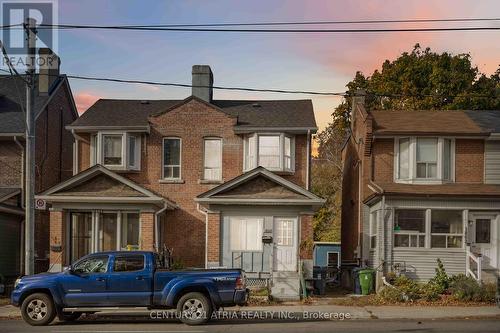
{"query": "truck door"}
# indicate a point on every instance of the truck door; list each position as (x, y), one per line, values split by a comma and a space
(86, 283)
(130, 281)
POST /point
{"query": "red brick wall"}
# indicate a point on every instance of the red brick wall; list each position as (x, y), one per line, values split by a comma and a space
(469, 161)
(147, 231)
(306, 237)
(213, 237)
(83, 152)
(383, 155)
(57, 237)
(10, 163)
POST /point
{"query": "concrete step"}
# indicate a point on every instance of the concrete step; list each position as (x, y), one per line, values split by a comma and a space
(285, 286)
(489, 275)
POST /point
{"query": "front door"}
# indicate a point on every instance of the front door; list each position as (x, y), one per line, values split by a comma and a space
(485, 240)
(285, 244)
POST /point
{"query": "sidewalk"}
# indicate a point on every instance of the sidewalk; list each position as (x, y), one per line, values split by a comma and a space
(312, 311)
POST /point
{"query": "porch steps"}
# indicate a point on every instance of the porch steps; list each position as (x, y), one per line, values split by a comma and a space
(285, 286)
(489, 275)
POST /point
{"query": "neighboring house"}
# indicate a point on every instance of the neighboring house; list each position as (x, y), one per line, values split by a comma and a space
(326, 254)
(223, 183)
(422, 185)
(54, 109)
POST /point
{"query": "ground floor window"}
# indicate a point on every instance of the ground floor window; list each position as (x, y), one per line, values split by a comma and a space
(103, 231)
(409, 228)
(245, 233)
(428, 228)
(333, 259)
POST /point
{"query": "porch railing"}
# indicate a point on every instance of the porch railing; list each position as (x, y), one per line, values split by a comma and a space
(473, 265)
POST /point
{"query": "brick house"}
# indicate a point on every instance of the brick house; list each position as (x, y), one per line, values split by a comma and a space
(54, 109)
(422, 185)
(224, 183)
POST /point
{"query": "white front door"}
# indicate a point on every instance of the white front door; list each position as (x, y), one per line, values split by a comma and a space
(485, 239)
(285, 244)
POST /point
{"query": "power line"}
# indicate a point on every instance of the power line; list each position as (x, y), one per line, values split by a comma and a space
(153, 28)
(231, 24)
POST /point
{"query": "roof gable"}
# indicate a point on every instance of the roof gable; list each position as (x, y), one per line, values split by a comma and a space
(259, 186)
(100, 185)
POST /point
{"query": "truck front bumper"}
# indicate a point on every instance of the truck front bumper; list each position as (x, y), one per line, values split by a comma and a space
(241, 296)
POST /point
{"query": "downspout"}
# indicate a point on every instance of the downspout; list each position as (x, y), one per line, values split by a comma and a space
(21, 259)
(75, 151)
(360, 186)
(157, 226)
(204, 212)
(308, 173)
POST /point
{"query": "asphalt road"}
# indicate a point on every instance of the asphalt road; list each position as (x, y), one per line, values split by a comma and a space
(255, 326)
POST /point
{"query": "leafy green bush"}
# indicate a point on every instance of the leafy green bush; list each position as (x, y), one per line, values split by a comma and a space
(465, 288)
(405, 290)
(431, 291)
(391, 295)
(441, 281)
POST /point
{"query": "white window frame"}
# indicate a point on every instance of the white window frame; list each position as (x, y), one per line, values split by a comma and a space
(454, 234)
(410, 233)
(338, 257)
(253, 140)
(220, 158)
(97, 150)
(259, 219)
(428, 234)
(412, 161)
(172, 165)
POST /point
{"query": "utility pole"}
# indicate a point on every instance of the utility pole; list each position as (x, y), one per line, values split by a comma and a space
(29, 218)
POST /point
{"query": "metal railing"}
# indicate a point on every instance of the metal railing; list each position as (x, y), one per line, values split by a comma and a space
(473, 265)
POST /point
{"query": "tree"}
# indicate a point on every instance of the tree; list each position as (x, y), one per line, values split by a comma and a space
(419, 80)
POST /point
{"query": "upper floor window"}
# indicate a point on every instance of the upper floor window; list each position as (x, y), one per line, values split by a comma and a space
(212, 161)
(424, 159)
(116, 150)
(272, 151)
(171, 158)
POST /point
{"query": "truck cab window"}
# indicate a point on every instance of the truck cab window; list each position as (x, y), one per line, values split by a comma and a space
(129, 263)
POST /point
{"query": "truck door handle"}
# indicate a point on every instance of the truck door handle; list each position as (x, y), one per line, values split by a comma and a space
(139, 277)
(100, 279)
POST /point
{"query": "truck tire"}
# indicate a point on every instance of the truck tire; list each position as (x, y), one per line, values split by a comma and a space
(194, 308)
(38, 309)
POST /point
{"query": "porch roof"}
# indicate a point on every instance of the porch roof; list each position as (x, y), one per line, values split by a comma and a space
(259, 187)
(442, 190)
(101, 185)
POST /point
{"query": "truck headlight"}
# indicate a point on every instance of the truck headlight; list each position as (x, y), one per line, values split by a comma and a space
(17, 282)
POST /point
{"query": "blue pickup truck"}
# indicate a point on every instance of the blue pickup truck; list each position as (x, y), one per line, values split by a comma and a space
(131, 279)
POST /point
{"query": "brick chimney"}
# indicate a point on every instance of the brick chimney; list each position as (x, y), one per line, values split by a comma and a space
(203, 81)
(49, 70)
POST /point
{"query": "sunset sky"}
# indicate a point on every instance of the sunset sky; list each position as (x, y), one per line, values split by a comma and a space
(322, 62)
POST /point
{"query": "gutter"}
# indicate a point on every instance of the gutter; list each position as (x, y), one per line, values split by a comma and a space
(308, 166)
(205, 213)
(157, 226)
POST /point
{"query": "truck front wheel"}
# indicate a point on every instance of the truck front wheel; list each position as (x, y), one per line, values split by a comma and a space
(38, 309)
(194, 308)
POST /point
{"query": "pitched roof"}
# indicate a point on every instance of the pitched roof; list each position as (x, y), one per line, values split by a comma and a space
(488, 120)
(250, 113)
(394, 122)
(8, 192)
(99, 184)
(259, 186)
(452, 189)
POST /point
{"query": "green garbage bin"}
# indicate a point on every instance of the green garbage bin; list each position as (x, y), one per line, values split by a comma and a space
(366, 281)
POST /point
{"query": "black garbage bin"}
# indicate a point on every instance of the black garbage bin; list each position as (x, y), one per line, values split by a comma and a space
(320, 286)
(355, 283)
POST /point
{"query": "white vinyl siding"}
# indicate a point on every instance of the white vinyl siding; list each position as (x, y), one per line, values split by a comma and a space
(492, 162)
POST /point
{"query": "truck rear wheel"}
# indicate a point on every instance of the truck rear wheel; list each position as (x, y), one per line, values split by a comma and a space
(38, 309)
(194, 308)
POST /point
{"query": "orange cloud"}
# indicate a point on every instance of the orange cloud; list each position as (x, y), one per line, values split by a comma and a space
(84, 100)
